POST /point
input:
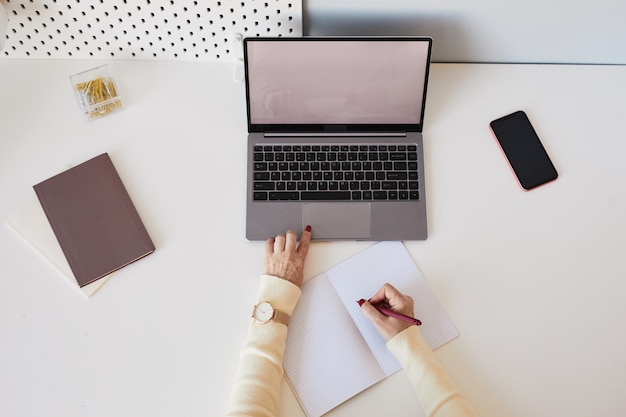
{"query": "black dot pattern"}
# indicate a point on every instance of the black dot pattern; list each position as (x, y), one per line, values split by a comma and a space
(143, 29)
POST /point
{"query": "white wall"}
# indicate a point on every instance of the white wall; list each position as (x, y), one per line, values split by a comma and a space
(530, 31)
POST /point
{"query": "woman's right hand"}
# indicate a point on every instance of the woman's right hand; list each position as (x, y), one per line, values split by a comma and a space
(388, 296)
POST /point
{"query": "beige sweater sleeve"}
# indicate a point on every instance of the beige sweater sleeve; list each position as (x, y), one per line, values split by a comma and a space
(436, 391)
(259, 374)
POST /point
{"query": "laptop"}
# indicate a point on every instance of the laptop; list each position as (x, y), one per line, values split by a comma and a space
(335, 136)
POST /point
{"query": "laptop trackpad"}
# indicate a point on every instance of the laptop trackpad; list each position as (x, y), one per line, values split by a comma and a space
(337, 220)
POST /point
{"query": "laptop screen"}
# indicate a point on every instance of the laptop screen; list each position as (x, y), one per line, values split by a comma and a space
(329, 84)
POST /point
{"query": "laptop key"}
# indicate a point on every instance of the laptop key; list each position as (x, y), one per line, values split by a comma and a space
(284, 195)
(263, 185)
(325, 195)
(389, 185)
(394, 176)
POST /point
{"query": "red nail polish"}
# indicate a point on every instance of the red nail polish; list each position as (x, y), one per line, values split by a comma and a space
(308, 228)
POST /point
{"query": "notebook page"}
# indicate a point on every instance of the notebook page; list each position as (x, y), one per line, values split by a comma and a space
(363, 274)
(326, 359)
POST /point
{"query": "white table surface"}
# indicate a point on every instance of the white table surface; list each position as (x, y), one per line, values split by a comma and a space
(534, 281)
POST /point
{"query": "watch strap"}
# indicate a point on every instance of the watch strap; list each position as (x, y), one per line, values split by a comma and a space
(281, 317)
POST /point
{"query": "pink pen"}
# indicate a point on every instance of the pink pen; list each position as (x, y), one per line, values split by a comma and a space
(395, 314)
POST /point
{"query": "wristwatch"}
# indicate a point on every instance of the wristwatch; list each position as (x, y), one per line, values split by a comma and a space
(264, 313)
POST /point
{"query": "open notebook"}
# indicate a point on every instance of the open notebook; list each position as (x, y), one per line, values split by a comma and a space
(333, 352)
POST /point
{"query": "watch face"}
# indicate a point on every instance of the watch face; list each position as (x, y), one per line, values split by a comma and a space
(263, 312)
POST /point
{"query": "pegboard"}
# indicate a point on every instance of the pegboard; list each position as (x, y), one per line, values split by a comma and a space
(127, 29)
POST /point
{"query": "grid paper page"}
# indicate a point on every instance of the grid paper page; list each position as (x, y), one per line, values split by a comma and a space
(326, 359)
(362, 276)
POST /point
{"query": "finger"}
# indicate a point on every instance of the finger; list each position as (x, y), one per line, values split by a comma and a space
(396, 298)
(389, 295)
(269, 247)
(392, 295)
(279, 243)
(291, 242)
(372, 313)
(379, 297)
(398, 301)
(305, 242)
(390, 291)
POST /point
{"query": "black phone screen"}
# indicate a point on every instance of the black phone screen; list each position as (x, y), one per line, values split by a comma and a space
(525, 152)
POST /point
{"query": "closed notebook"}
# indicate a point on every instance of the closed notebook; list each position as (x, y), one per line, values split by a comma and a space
(94, 219)
(30, 223)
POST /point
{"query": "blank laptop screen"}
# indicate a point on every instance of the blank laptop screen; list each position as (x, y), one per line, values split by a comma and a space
(332, 81)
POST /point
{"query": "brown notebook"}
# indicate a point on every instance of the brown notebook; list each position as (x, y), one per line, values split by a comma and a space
(94, 219)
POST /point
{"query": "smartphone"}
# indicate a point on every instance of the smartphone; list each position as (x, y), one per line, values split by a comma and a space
(523, 149)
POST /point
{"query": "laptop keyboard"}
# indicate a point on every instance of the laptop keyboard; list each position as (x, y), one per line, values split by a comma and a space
(322, 172)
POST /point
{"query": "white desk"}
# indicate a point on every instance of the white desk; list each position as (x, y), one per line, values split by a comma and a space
(534, 281)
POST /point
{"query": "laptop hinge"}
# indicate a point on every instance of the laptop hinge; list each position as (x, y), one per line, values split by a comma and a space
(336, 134)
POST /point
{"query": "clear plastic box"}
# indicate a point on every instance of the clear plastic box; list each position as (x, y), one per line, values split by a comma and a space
(96, 92)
